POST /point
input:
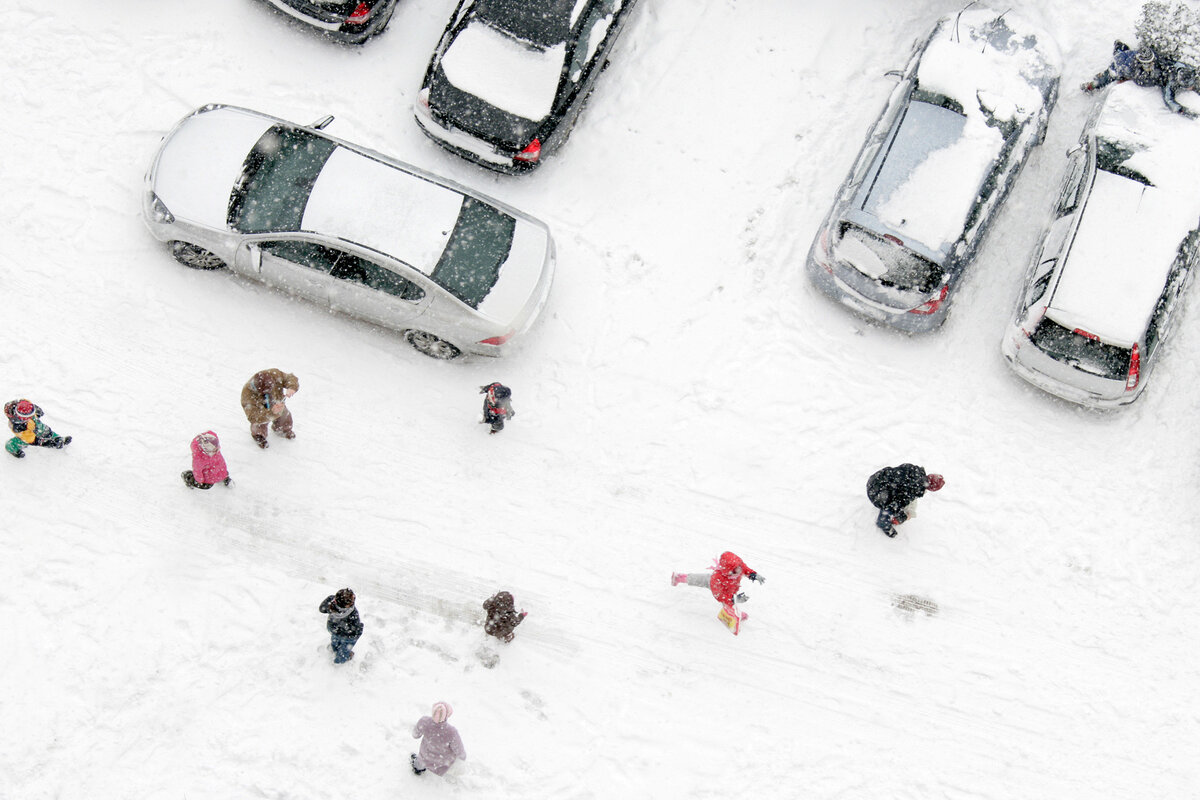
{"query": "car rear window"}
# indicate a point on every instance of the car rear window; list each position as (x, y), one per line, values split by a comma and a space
(888, 263)
(1111, 157)
(1082, 352)
(277, 178)
(541, 22)
(478, 245)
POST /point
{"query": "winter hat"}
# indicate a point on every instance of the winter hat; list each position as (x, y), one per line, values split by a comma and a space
(344, 598)
(441, 711)
(208, 443)
(24, 409)
(934, 482)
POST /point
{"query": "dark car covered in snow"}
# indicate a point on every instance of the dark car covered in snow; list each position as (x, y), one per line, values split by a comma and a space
(509, 78)
(351, 21)
(973, 101)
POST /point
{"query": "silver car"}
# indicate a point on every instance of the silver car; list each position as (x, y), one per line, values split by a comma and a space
(1103, 289)
(349, 229)
(973, 101)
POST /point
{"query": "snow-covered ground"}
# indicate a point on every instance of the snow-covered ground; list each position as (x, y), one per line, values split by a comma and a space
(1031, 634)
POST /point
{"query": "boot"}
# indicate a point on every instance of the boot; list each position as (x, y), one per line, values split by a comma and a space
(678, 578)
(261, 441)
(286, 434)
(62, 442)
(189, 478)
(413, 759)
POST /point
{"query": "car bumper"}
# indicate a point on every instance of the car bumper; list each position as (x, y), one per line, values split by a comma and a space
(335, 30)
(836, 289)
(1010, 348)
(467, 146)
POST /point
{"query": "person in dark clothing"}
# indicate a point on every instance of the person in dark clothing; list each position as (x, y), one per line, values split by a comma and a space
(343, 624)
(502, 616)
(497, 405)
(25, 420)
(894, 491)
(1145, 68)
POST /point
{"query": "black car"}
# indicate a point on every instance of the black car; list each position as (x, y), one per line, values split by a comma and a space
(509, 77)
(351, 21)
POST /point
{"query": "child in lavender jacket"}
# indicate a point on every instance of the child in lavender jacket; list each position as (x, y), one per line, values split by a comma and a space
(441, 745)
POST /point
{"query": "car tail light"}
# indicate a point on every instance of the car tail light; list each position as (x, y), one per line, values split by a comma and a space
(530, 154)
(497, 340)
(1135, 369)
(933, 305)
(893, 239)
(1086, 334)
(360, 16)
(423, 97)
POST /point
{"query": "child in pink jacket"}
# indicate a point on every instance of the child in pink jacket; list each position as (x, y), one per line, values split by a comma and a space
(208, 465)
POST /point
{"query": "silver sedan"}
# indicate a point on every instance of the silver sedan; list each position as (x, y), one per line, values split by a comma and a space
(348, 228)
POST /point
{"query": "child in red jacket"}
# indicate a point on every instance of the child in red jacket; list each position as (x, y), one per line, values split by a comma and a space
(724, 582)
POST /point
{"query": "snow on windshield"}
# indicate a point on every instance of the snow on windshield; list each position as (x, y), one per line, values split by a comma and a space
(993, 70)
(508, 74)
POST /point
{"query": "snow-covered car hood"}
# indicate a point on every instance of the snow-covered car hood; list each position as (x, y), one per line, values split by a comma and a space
(512, 76)
(200, 161)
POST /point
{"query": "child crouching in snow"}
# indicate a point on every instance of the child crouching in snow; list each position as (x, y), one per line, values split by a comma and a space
(441, 745)
(25, 419)
(208, 465)
(724, 582)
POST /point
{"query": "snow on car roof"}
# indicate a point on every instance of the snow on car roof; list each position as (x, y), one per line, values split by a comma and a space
(509, 74)
(201, 161)
(994, 70)
(1129, 233)
(377, 205)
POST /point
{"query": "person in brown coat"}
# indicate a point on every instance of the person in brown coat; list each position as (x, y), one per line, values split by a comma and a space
(502, 616)
(264, 399)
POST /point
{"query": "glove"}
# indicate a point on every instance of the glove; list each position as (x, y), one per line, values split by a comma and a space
(1088, 87)
(741, 597)
(754, 576)
(892, 533)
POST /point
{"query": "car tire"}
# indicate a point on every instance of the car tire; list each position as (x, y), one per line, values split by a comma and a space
(431, 345)
(195, 256)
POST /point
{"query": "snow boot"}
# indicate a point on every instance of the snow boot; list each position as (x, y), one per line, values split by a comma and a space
(678, 578)
(286, 434)
(17, 453)
(61, 442)
(261, 441)
(189, 478)
(413, 759)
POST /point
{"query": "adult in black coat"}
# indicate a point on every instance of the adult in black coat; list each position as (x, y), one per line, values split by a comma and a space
(343, 624)
(893, 490)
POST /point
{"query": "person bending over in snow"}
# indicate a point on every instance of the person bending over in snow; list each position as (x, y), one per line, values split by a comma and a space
(894, 491)
(725, 580)
(497, 405)
(343, 624)
(1145, 68)
(441, 745)
(208, 465)
(25, 419)
(502, 616)
(264, 399)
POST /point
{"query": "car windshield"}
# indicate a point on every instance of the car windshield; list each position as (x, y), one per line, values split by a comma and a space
(1111, 157)
(888, 263)
(478, 245)
(1085, 353)
(540, 22)
(276, 180)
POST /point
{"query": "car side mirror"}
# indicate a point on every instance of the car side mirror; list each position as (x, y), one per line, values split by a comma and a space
(894, 73)
(322, 123)
(254, 257)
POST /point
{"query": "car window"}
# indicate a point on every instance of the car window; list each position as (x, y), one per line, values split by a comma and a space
(355, 269)
(306, 254)
(1158, 321)
(544, 23)
(478, 245)
(1068, 195)
(890, 264)
(1111, 157)
(591, 35)
(277, 177)
(1081, 351)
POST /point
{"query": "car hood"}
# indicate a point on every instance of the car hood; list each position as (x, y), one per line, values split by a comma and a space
(521, 274)
(200, 161)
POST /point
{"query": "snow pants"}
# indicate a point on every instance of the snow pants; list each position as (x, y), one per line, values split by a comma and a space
(44, 438)
(343, 647)
(282, 426)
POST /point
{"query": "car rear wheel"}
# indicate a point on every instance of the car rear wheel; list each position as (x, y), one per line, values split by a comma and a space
(195, 256)
(431, 345)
